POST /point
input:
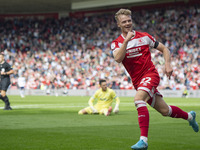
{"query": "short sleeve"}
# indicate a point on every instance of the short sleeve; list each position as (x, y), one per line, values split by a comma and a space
(151, 40)
(114, 45)
(9, 67)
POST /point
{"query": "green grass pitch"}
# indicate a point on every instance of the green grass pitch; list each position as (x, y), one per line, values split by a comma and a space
(53, 123)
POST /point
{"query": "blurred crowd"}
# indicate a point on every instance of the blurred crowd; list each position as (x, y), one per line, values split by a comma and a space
(74, 53)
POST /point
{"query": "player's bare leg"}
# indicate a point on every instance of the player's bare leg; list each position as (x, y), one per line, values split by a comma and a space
(175, 112)
(140, 99)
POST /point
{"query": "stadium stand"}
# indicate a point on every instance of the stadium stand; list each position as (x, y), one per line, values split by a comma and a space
(74, 53)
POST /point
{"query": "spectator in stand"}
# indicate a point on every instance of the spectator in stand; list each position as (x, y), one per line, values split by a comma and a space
(22, 83)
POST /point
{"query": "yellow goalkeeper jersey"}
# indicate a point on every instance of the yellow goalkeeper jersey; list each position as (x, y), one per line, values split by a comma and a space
(104, 98)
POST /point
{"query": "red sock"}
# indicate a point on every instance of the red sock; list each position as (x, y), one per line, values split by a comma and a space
(176, 112)
(143, 117)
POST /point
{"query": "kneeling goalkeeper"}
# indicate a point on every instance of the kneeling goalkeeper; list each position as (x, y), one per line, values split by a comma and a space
(104, 97)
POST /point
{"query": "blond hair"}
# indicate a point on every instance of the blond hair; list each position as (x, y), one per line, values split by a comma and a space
(126, 12)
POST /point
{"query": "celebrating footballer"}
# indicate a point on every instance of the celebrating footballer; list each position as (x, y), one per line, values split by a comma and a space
(132, 49)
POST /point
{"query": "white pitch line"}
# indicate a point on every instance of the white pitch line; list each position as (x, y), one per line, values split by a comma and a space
(41, 106)
(37, 106)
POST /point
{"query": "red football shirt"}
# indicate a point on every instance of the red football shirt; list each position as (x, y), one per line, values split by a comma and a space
(137, 60)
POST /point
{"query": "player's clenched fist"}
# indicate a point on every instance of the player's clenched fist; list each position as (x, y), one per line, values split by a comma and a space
(129, 36)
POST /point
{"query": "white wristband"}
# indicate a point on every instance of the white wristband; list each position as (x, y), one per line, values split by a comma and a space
(116, 106)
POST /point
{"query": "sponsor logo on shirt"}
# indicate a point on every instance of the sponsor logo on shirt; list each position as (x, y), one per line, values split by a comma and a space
(135, 52)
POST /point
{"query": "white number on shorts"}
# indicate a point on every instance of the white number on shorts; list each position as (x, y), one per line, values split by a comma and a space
(145, 80)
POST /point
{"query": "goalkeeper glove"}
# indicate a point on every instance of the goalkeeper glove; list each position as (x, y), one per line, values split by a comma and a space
(116, 109)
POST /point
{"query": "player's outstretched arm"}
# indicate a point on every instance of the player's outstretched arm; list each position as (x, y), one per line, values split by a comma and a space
(91, 101)
(167, 57)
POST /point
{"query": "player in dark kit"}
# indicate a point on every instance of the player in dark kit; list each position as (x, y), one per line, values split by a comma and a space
(5, 71)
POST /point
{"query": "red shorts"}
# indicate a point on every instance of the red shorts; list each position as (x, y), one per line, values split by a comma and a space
(149, 83)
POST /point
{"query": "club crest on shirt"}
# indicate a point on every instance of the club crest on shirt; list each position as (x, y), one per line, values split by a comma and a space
(141, 42)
